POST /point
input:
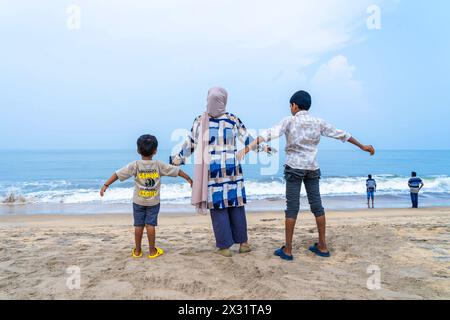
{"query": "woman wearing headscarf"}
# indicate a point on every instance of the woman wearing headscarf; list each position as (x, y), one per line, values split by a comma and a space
(218, 179)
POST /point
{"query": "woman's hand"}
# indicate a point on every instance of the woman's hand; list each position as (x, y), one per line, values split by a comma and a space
(176, 161)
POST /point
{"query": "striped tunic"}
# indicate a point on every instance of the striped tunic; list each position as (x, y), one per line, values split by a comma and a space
(226, 181)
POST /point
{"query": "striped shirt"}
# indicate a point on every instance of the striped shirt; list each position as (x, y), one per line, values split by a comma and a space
(371, 185)
(226, 181)
(414, 184)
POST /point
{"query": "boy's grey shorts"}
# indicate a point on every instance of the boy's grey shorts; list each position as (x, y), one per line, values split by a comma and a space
(145, 215)
(294, 179)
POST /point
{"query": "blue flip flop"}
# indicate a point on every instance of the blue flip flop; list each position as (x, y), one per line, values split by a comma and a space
(280, 253)
(316, 250)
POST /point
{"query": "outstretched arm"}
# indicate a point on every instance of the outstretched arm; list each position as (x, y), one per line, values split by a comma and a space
(330, 131)
(185, 176)
(252, 146)
(273, 133)
(109, 182)
(249, 142)
(122, 174)
(189, 145)
(366, 148)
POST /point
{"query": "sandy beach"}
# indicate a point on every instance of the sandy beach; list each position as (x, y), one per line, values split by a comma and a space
(411, 248)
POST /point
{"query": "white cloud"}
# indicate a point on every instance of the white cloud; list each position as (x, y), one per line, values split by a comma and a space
(339, 95)
(280, 34)
(201, 36)
(337, 77)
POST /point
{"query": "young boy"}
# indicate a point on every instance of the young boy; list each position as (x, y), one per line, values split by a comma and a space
(303, 132)
(147, 173)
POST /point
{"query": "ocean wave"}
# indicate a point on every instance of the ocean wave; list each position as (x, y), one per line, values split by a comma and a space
(179, 193)
(343, 186)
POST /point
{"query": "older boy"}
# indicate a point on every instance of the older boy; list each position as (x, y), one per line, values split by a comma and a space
(303, 132)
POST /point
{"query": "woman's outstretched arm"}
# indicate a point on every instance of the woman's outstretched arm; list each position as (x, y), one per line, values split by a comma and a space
(243, 135)
(189, 145)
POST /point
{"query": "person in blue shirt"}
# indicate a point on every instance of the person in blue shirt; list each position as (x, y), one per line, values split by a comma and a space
(415, 184)
(371, 186)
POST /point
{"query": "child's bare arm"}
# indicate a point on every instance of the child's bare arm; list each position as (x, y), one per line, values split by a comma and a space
(183, 174)
(368, 148)
(252, 146)
(109, 182)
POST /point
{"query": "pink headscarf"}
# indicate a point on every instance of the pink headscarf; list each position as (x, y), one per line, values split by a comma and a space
(216, 106)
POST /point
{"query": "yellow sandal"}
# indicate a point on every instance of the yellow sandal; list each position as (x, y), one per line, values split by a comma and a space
(133, 254)
(158, 253)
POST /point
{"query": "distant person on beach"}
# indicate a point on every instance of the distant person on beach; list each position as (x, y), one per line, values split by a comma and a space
(371, 186)
(415, 184)
(218, 178)
(303, 132)
(146, 199)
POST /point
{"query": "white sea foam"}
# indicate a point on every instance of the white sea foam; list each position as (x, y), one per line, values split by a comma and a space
(341, 186)
(66, 192)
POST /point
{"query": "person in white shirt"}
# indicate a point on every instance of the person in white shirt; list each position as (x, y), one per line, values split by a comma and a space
(303, 132)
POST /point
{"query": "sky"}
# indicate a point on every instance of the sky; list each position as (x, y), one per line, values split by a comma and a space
(91, 74)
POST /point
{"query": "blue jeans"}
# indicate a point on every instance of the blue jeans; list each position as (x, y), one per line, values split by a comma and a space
(415, 200)
(230, 226)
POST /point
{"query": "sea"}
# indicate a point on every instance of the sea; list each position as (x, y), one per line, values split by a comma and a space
(68, 182)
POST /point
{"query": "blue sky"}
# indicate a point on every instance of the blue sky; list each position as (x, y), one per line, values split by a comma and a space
(137, 67)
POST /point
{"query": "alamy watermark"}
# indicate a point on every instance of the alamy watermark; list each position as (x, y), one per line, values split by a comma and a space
(73, 281)
(73, 21)
(374, 20)
(269, 163)
(374, 280)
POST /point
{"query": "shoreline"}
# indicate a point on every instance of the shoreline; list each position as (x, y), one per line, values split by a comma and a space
(352, 203)
(178, 218)
(191, 214)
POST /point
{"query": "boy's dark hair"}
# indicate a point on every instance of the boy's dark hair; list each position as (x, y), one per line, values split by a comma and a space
(147, 144)
(370, 176)
(302, 99)
(414, 174)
